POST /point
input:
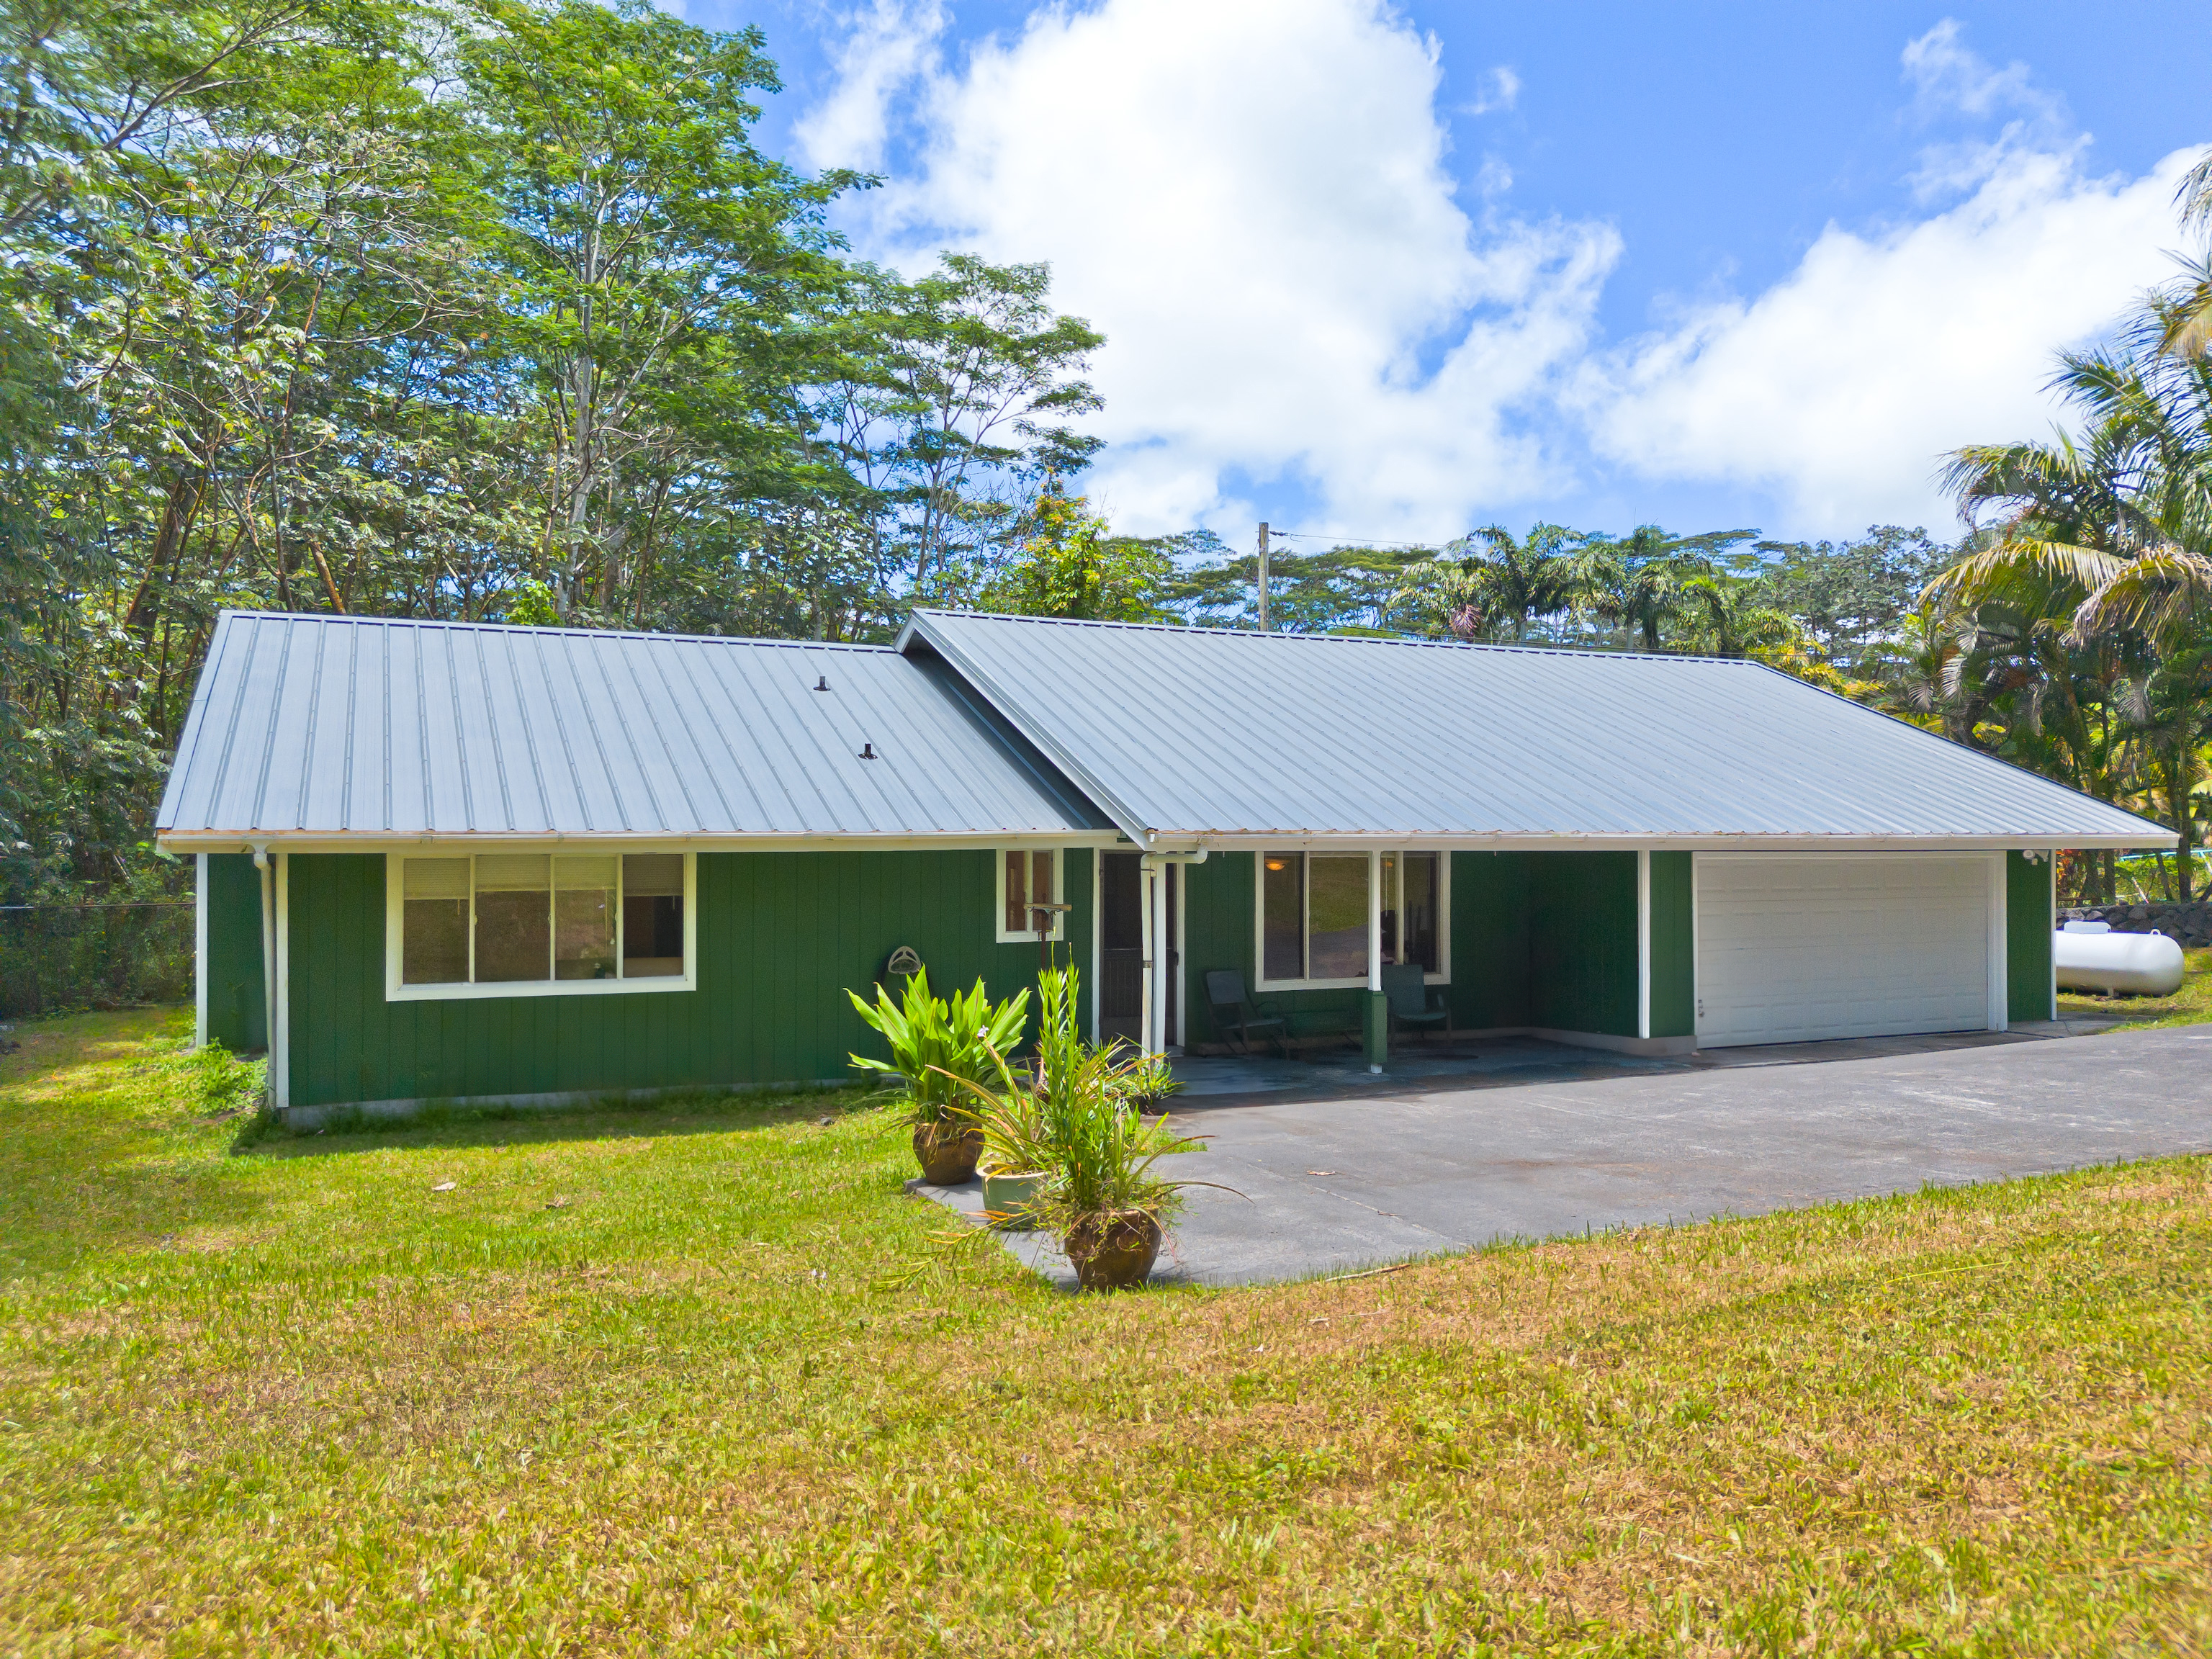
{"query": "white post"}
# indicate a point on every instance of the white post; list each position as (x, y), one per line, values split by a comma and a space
(1374, 921)
(1644, 944)
(199, 950)
(1999, 982)
(1158, 895)
(280, 1035)
(1147, 874)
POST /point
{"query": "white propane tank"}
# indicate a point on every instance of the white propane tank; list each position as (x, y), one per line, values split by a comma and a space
(2090, 956)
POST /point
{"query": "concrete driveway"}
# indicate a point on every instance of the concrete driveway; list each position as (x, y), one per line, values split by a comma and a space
(1334, 1184)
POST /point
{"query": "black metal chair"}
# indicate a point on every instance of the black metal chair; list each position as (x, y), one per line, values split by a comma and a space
(1415, 1002)
(1233, 1011)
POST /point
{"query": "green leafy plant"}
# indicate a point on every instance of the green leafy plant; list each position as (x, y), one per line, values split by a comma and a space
(941, 1047)
(1071, 1120)
(1151, 1079)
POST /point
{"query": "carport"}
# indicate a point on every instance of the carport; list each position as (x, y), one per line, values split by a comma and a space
(1650, 855)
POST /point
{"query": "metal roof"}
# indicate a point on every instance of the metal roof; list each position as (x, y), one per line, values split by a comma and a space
(339, 727)
(1184, 734)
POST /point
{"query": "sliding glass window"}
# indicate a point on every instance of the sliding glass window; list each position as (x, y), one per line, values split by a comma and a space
(531, 920)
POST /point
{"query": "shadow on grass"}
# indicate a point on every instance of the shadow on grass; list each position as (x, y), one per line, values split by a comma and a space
(110, 1131)
(707, 1111)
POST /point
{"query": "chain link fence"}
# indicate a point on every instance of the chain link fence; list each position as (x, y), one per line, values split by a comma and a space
(59, 957)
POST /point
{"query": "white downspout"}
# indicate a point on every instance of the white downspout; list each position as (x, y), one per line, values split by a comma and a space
(1151, 1020)
(199, 950)
(261, 862)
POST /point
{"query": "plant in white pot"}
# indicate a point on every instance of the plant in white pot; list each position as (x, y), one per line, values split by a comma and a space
(1071, 1119)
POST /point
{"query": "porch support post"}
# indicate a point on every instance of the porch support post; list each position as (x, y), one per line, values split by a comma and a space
(1163, 981)
(1148, 873)
(1644, 944)
(1376, 1020)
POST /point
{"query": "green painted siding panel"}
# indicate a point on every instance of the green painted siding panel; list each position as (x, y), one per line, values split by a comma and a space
(1582, 942)
(1217, 913)
(238, 1002)
(780, 936)
(1673, 946)
(2029, 920)
(1490, 914)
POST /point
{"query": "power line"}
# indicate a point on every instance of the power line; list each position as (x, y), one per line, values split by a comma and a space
(1364, 541)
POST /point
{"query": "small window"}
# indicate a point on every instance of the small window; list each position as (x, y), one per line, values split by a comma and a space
(529, 923)
(1313, 915)
(1029, 895)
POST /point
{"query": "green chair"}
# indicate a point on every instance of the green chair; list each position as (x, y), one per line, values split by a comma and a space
(1415, 1002)
(1233, 1011)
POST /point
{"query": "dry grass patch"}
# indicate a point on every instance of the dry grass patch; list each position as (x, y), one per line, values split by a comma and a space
(741, 1396)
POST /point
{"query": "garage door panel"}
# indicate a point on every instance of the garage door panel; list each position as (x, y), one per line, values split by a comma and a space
(1791, 950)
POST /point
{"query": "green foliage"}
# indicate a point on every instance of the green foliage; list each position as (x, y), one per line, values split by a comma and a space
(439, 308)
(1071, 564)
(1074, 1119)
(940, 1047)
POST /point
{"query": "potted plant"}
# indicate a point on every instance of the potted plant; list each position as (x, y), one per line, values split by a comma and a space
(1099, 1191)
(939, 1048)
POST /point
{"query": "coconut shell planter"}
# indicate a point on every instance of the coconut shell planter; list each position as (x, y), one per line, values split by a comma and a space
(1113, 1251)
(947, 1152)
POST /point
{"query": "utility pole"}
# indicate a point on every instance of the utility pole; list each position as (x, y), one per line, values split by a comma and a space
(1263, 575)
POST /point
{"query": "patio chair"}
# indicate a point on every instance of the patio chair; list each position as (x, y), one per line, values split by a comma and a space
(1233, 1011)
(1415, 1002)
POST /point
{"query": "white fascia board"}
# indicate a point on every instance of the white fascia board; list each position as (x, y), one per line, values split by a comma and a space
(384, 841)
(1123, 814)
(1293, 841)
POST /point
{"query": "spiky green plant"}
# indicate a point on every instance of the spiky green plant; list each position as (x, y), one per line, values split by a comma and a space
(940, 1046)
(1072, 1120)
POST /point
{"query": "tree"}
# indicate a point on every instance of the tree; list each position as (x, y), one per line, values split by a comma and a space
(1509, 586)
(1072, 565)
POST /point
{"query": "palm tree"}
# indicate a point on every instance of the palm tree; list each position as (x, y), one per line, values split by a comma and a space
(2094, 570)
(1511, 585)
(1636, 584)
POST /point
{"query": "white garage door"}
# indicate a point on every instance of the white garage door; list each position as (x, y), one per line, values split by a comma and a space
(1793, 949)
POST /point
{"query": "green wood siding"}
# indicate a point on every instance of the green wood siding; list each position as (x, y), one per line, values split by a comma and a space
(780, 935)
(1674, 945)
(2029, 920)
(1217, 914)
(1489, 914)
(238, 1000)
(1582, 942)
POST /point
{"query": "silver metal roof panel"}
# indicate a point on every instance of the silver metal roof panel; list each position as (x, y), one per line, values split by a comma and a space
(339, 727)
(1183, 734)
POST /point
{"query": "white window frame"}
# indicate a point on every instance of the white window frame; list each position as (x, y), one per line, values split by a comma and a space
(395, 913)
(1442, 976)
(1029, 935)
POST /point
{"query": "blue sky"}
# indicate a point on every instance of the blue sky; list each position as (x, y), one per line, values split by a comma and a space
(1397, 271)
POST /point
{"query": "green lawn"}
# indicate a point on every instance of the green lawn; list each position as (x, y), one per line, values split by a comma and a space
(702, 1381)
(2191, 1006)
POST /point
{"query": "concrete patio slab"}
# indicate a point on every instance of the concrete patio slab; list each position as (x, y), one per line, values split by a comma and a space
(1336, 1182)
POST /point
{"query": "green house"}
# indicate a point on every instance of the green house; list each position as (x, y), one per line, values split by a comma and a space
(450, 862)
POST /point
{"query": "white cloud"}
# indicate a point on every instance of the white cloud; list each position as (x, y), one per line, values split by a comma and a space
(1839, 388)
(1251, 198)
(1948, 75)
(885, 47)
(1255, 201)
(1498, 89)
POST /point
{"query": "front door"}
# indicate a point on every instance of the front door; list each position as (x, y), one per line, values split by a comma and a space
(1122, 947)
